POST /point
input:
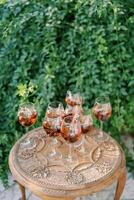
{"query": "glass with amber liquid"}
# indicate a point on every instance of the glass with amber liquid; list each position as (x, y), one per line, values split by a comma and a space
(71, 132)
(72, 100)
(86, 125)
(102, 111)
(27, 116)
(52, 124)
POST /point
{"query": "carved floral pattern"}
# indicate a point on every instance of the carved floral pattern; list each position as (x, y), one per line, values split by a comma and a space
(96, 154)
(27, 153)
(40, 172)
(109, 146)
(103, 167)
(74, 177)
(47, 173)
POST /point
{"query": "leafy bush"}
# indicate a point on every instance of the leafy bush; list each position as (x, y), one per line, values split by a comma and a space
(57, 45)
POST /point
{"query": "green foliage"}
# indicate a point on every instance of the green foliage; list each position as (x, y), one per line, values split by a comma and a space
(65, 44)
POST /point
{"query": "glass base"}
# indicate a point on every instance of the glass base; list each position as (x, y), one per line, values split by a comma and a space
(70, 161)
(78, 143)
(84, 152)
(28, 143)
(100, 136)
(82, 149)
(55, 155)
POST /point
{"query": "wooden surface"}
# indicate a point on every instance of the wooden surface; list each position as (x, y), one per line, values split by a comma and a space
(53, 179)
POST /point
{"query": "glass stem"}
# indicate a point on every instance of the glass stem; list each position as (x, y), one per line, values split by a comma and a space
(53, 151)
(101, 128)
(70, 152)
(83, 144)
(54, 142)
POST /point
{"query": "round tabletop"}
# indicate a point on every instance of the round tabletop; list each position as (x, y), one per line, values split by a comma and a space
(101, 166)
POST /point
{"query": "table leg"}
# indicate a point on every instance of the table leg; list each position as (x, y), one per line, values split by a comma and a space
(120, 185)
(22, 189)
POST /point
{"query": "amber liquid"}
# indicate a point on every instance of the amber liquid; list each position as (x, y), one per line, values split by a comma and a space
(27, 121)
(64, 127)
(74, 138)
(73, 102)
(71, 138)
(102, 113)
(85, 129)
(66, 132)
(67, 115)
(52, 115)
(70, 102)
(49, 131)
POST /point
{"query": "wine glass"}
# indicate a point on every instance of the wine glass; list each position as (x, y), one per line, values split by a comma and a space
(73, 110)
(52, 124)
(55, 109)
(86, 125)
(71, 132)
(102, 111)
(68, 110)
(27, 116)
(73, 99)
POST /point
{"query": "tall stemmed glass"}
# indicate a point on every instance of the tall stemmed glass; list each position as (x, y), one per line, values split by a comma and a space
(52, 124)
(71, 132)
(86, 124)
(102, 111)
(27, 116)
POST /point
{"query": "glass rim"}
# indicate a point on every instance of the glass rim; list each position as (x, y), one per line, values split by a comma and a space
(102, 99)
(68, 117)
(50, 104)
(76, 93)
(27, 104)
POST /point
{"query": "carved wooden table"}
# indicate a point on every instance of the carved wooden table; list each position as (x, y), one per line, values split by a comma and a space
(53, 179)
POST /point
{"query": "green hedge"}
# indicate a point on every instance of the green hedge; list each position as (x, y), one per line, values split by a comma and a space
(57, 45)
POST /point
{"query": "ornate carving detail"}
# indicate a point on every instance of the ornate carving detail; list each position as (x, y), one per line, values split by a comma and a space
(103, 167)
(40, 172)
(27, 153)
(42, 135)
(36, 145)
(109, 146)
(54, 177)
(54, 192)
(74, 177)
(96, 154)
